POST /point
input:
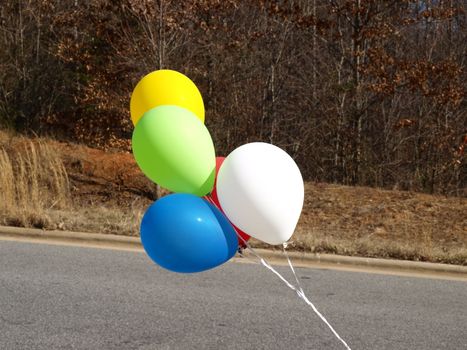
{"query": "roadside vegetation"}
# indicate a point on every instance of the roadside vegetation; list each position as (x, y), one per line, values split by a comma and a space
(364, 95)
(54, 185)
(37, 192)
(360, 93)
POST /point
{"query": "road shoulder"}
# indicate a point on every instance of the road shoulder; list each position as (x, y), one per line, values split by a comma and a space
(276, 257)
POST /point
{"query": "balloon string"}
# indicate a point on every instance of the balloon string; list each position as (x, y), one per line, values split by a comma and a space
(298, 289)
(302, 295)
(299, 285)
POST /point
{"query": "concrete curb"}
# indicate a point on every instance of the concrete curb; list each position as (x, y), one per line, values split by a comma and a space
(306, 259)
(67, 236)
(276, 256)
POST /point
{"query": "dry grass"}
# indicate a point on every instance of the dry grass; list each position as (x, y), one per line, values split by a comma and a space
(372, 222)
(35, 192)
(422, 250)
(100, 219)
(54, 185)
(33, 180)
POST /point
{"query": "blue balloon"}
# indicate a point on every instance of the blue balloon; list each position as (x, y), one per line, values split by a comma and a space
(185, 233)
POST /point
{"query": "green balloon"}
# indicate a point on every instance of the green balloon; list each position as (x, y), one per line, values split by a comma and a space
(174, 149)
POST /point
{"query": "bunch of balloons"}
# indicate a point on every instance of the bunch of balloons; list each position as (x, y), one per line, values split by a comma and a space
(218, 203)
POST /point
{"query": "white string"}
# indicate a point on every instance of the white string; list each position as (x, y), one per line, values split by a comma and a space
(299, 285)
(306, 300)
(298, 289)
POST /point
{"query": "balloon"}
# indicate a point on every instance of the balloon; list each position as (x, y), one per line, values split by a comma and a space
(185, 233)
(165, 87)
(244, 237)
(174, 149)
(219, 161)
(260, 189)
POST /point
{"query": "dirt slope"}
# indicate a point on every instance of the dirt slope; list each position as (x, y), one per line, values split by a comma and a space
(346, 220)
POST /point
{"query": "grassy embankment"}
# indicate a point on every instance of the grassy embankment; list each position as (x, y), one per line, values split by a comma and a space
(52, 185)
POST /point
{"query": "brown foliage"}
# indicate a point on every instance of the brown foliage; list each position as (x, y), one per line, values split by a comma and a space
(358, 92)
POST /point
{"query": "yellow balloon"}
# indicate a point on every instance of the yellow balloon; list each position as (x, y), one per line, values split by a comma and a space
(165, 87)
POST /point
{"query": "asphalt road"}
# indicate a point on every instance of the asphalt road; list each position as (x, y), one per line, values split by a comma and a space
(58, 297)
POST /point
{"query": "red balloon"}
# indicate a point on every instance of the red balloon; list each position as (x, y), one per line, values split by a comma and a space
(215, 200)
(219, 161)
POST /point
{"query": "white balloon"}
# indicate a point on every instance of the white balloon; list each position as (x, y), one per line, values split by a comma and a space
(260, 189)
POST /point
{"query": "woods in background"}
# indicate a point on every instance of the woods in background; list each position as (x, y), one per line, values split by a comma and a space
(358, 92)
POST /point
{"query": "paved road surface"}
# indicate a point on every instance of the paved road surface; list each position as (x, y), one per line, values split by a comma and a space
(58, 297)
